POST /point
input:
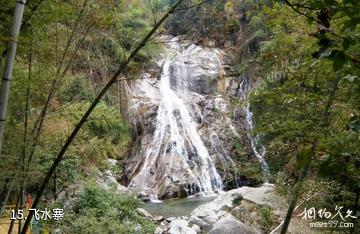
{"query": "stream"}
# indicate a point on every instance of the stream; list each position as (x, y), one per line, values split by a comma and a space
(176, 207)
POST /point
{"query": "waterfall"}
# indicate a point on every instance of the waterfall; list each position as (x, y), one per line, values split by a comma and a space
(256, 146)
(176, 153)
(183, 127)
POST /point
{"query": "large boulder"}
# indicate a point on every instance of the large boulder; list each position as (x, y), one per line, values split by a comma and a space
(108, 179)
(180, 226)
(144, 213)
(241, 204)
(229, 225)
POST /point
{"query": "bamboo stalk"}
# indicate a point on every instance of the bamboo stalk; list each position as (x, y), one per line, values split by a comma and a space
(9, 65)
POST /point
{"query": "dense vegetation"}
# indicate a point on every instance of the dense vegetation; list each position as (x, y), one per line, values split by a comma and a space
(303, 55)
(309, 95)
(97, 210)
(307, 105)
(67, 51)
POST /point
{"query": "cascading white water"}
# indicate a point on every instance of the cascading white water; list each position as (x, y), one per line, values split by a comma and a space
(258, 149)
(176, 147)
(174, 113)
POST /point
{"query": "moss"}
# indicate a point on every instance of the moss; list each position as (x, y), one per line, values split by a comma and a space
(238, 200)
(250, 169)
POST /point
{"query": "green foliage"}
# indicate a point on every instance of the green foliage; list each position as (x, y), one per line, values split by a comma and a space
(204, 21)
(308, 94)
(257, 26)
(266, 218)
(354, 124)
(249, 168)
(304, 157)
(238, 200)
(96, 210)
(104, 135)
(75, 46)
(342, 149)
(104, 122)
(67, 172)
(75, 89)
(306, 97)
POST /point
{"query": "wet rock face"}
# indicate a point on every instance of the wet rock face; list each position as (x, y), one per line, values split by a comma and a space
(184, 131)
(202, 83)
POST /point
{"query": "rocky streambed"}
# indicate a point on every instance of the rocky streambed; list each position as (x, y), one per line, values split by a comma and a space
(241, 210)
(245, 210)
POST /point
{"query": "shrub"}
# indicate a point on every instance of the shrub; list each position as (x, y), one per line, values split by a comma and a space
(97, 210)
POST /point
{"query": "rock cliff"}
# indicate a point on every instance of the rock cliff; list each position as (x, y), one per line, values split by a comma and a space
(186, 125)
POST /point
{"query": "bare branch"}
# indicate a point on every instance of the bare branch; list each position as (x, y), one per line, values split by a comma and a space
(153, 12)
(292, 6)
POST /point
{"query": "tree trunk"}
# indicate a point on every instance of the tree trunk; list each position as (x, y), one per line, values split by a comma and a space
(14, 220)
(72, 136)
(25, 22)
(6, 197)
(356, 207)
(54, 187)
(4, 190)
(9, 64)
(295, 197)
(21, 203)
(356, 203)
